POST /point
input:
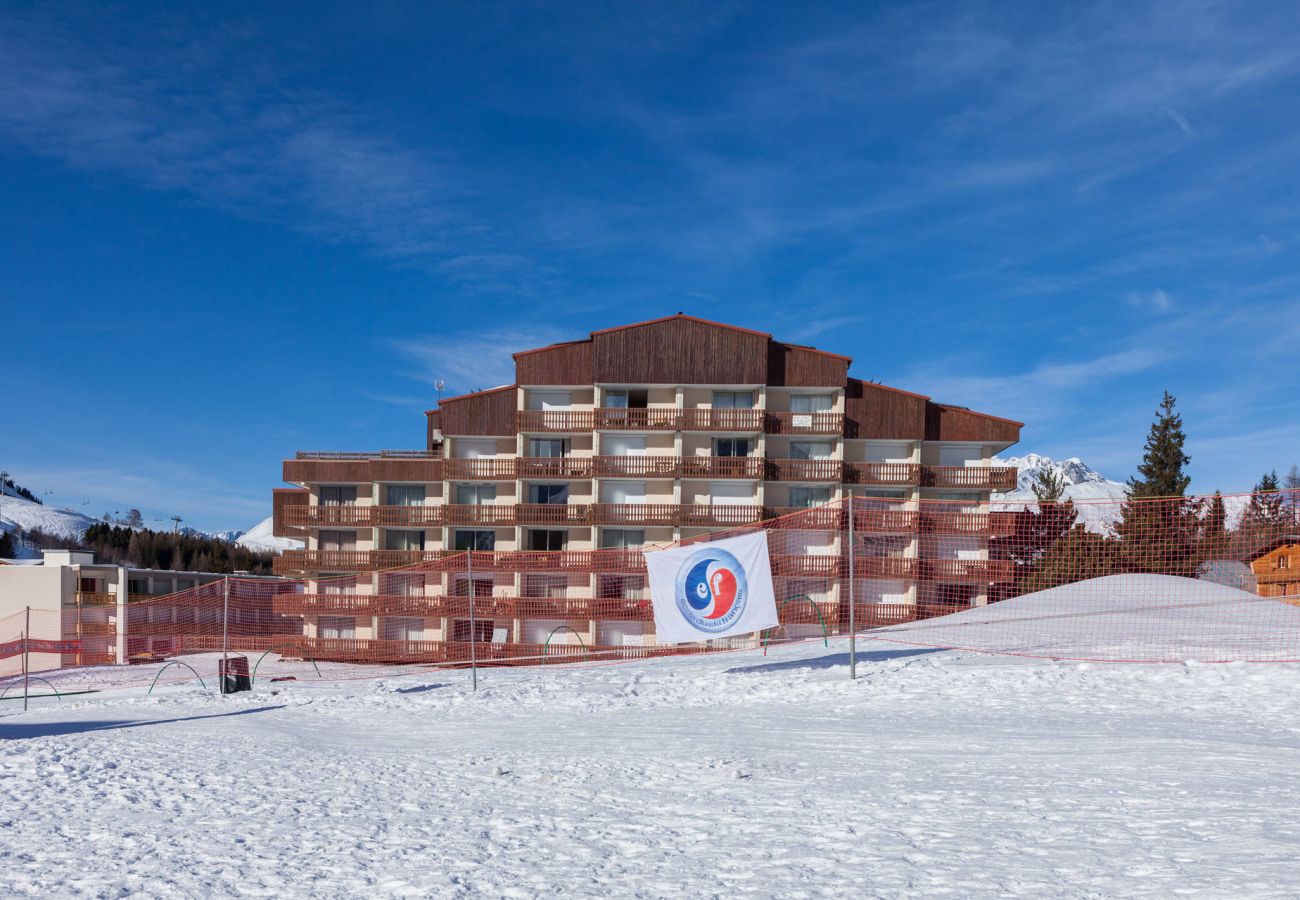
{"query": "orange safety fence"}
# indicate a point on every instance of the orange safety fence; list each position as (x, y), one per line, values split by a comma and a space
(1164, 580)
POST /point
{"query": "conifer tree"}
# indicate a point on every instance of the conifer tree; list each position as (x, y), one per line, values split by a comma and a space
(1160, 535)
(1163, 459)
(7, 548)
(1267, 509)
(1216, 520)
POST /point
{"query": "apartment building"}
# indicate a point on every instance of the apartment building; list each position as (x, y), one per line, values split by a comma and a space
(637, 436)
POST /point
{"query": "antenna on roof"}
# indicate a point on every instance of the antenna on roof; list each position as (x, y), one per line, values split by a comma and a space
(440, 386)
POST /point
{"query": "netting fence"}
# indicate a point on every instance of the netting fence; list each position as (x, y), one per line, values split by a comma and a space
(1165, 580)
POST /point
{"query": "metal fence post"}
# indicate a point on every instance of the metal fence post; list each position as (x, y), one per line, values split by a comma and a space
(473, 636)
(225, 631)
(853, 603)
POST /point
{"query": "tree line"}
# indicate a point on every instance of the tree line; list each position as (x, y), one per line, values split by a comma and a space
(1160, 529)
(148, 549)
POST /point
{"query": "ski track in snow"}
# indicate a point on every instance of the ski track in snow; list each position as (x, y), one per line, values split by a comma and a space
(736, 775)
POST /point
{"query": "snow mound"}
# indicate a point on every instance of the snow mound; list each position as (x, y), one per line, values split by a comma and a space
(260, 539)
(1128, 618)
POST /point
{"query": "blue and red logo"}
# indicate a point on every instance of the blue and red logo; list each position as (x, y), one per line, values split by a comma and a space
(711, 590)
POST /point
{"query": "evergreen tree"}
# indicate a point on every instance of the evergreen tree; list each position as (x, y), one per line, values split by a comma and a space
(1161, 535)
(1291, 484)
(1267, 508)
(8, 550)
(1048, 486)
(1079, 555)
(1216, 520)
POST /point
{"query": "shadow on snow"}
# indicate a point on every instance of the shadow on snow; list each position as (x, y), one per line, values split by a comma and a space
(20, 730)
(831, 660)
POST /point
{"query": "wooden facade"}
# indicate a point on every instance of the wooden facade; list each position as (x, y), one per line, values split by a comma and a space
(1276, 567)
(486, 413)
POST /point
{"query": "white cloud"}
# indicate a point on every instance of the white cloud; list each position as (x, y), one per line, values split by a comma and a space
(469, 361)
(1156, 299)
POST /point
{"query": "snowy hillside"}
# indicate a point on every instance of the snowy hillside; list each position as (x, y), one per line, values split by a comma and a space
(260, 539)
(65, 523)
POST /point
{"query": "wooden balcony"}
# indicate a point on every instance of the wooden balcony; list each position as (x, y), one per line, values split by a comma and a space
(1277, 576)
(96, 598)
(981, 570)
(489, 515)
(480, 469)
(621, 608)
(567, 421)
(748, 467)
(556, 468)
(817, 518)
(885, 521)
(636, 466)
(362, 468)
(650, 419)
(407, 516)
(635, 514)
(882, 473)
(741, 420)
(719, 515)
(984, 478)
(806, 565)
(323, 604)
(985, 524)
(293, 562)
(572, 514)
(903, 568)
(333, 516)
(820, 470)
(804, 423)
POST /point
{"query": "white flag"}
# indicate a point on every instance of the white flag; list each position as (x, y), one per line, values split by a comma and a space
(712, 590)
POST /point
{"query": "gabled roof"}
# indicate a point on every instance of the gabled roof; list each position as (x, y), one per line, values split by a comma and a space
(683, 317)
(1272, 544)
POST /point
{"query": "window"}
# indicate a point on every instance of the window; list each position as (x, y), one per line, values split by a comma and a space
(733, 399)
(732, 446)
(548, 493)
(405, 495)
(402, 584)
(622, 492)
(550, 399)
(805, 497)
(337, 628)
(467, 539)
(482, 586)
(620, 587)
(622, 444)
(338, 495)
(402, 628)
(403, 539)
(475, 494)
(730, 494)
(336, 540)
(483, 628)
(137, 586)
(184, 584)
(467, 448)
(1284, 562)
(547, 539)
(811, 403)
(86, 585)
(622, 538)
(339, 585)
(811, 449)
(627, 398)
(549, 448)
(550, 586)
(959, 456)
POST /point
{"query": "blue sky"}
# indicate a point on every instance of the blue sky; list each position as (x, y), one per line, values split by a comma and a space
(234, 232)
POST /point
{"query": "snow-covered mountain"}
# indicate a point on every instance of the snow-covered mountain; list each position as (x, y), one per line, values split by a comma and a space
(1086, 486)
(260, 538)
(16, 512)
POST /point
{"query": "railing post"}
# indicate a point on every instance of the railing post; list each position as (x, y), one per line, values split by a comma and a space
(27, 666)
(473, 637)
(853, 603)
(225, 631)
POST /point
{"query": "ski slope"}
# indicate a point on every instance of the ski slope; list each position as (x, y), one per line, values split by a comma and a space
(733, 775)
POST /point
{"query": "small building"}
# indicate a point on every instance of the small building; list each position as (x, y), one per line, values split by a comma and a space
(1276, 565)
(73, 598)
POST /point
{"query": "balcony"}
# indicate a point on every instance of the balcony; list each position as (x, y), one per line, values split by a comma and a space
(748, 467)
(96, 598)
(816, 518)
(293, 562)
(719, 515)
(882, 473)
(986, 524)
(558, 468)
(360, 468)
(804, 423)
(902, 568)
(491, 515)
(323, 604)
(635, 514)
(806, 565)
(570, 421)
(983, 478)
(407, 516)
(981, 570)
(742, 420)
(650, 419)
(636, 466)
(572, 514)
(885, 521)
(480, 469)
(822, 470)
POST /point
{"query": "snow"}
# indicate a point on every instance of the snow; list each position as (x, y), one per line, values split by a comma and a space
(1098, 500)
(260, 538)
(64, 523)
(732, 775)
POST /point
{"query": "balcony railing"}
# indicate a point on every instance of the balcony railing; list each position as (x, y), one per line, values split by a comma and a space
(750, 467)
(804, 423)
(636, 514)
(719, 515)
(823, 470)
(891, 567)
(806, 565)
(983, 570)
(480, 469)
(407, 516)
(487, 514)
(984, 478)
(744, 420)
(368, 454)
(562, 468)
(650, 419)
(817, 518)
(295, 561)
(636, 466)
(987, 524)
(882, 473)
(562, 420)
(554, 513)
(96, 598)
(885, 520)
(328, 516)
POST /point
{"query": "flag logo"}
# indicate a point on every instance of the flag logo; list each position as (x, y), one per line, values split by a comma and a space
(711, 590)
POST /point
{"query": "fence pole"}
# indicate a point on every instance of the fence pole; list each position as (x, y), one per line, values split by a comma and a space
(27, 666)
(473, 636)
(225, 631)
(853, 603)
